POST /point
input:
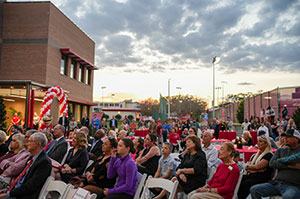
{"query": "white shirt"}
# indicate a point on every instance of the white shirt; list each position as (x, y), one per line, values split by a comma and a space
(211, 153)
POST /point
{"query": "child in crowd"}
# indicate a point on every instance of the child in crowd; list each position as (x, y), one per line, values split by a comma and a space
(173, 137)
(236, 158)
(166, 165)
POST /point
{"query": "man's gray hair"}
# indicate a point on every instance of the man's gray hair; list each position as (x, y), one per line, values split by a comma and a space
(40, 138)
(209, 132)
(61, 127)
(20, 139)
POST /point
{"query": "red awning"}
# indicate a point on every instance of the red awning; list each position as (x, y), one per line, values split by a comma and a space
(77, 58)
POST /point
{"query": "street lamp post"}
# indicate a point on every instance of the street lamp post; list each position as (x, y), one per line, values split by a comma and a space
(103, 87)
(223, 99)
(215, 60)
(218, 94)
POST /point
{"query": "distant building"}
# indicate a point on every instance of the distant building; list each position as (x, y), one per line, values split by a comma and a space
(40, 47)
(127, 107)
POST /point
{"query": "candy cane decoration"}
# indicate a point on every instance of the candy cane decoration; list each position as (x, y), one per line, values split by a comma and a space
(48, 98)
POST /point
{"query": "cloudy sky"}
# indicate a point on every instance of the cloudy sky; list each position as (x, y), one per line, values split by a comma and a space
(140, 44)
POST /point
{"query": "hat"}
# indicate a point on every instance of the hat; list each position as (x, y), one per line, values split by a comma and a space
(291, 132)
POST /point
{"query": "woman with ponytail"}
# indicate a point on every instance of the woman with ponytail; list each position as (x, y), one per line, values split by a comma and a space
(121, 164)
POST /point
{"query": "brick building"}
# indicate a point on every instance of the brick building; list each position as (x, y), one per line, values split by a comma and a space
(40, 47)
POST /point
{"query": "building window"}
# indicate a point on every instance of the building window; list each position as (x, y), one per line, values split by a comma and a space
(88, 77)
(63, 65)
(106, 105)
(73, 70)
(81, 73)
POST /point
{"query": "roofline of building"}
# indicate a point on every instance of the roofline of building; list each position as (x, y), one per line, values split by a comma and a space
(58, 10)
(121, 110)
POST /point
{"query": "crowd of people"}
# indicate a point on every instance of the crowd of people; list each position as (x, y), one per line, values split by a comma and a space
(29, 157)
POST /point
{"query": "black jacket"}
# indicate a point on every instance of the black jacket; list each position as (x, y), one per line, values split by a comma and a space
(34, 179)
(59, 150)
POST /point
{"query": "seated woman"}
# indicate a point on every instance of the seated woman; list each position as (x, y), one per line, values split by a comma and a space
(77, 158)
(138, 144)
(3, 146)
(121, 164)
(96, 176)
(247, 139)
(258, 169)
(223, 182)
(192, 171)
(148, 161)
(15, 148)
(12, 167)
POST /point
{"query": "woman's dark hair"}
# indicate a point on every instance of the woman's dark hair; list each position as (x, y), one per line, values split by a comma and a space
(196, 140)
(152, 137)
(140, 145)
(194, 129)
(128, 143)
(113, 142)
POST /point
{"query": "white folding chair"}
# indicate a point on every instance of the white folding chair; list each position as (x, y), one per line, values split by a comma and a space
(237, 186)
(53, 185)
(88, 165)
(140, 185)
(211, 172)
(165, 184)
(71, 192)
(66, 154)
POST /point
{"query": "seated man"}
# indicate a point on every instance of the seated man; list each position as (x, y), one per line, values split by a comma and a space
(96, 149)
(58, 147)
(211, 152)
(287, 162)
(30, 182)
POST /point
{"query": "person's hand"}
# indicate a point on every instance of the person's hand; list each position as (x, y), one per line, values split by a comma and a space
(114, 152)
(182, 177)
(3, 195)
(201, 189)
(178, 172)
(105, 191)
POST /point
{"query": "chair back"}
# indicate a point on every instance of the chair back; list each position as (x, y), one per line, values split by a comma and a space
(66, 154)
(140, 185)
(53, 185)
(88, 165)
(159, 183)
(237, 186)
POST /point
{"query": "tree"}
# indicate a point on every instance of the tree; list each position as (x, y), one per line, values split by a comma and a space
(296, 117)
(118, 117)
(147, 105)
(240, 112)
(105, 116)
(130, 117)
(2, 115)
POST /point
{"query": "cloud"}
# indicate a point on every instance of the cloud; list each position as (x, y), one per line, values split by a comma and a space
(245, 84)
(175, 35)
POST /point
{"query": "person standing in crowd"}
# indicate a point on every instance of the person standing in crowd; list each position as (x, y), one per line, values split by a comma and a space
(113, 123)
(73, 124)
(165, 131)
(223, 183)
(30, 182)
(263, 128)
(284, 112)
(64, 121)
(85, 121)
(286, 160)
(258, 171)
(15, 120)
(173, 138)
(245, 125)
(124, 167)
(215, 127)
(95, 124)
(153, 127)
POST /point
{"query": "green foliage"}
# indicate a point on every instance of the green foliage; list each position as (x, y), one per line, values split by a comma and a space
(240, 112)
(118, 117)
(130, 117)
(2, 115)
(105, 116)
(296, 117)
